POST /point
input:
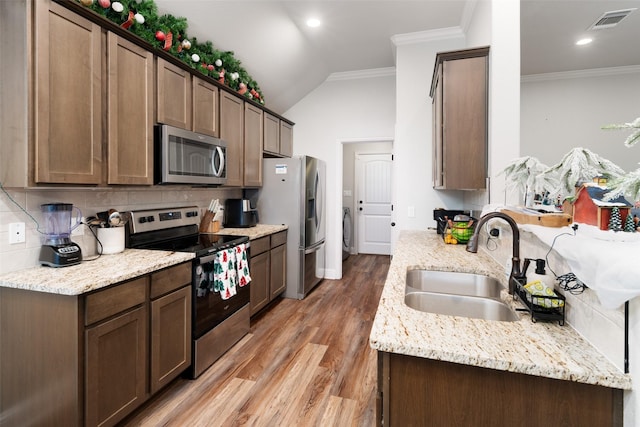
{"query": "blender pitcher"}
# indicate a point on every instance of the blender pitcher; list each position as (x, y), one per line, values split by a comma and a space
(58, 250)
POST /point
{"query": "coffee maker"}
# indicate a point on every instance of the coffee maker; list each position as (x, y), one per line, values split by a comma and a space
(58, 250)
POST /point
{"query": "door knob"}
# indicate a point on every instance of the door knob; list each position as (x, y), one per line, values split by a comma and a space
(360, 209)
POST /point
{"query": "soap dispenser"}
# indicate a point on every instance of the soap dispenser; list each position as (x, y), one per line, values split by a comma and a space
(539, 274)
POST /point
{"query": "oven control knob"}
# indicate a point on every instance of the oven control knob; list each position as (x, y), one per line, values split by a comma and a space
(150, 218)
(192, 214)
(142, 219)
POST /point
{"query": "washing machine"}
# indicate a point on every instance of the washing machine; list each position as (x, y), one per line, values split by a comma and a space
(346, 232)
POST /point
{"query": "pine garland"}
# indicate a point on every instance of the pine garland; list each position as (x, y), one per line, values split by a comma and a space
(201, 56)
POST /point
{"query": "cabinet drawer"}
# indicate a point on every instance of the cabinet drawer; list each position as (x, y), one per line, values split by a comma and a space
(114, 300)
(165, 281)
(278, 239)
(260, 245)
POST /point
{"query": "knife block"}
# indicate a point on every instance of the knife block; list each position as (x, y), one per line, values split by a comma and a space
(210, 227)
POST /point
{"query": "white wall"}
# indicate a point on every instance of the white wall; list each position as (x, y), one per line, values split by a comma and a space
(561, 111)
(337, 111)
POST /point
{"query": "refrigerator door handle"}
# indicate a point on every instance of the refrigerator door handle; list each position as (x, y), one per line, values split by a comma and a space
(313, 247)
(318, 218)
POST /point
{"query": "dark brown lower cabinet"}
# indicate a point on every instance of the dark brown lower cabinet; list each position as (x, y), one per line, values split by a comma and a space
(268, 268)
(91, 359)
(116, 367)
(414, 391)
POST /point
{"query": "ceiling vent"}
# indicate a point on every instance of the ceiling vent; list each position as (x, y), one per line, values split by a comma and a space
(610, 19)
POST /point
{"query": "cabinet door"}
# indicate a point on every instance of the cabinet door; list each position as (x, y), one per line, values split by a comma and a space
(232, 131)
(278, 274)
(205, 108)
(116, 367)
(130, 115)
(271, 134)
(286, 139)
(259, 288)
(170, 337)
(174, 95)
(253, 136)
(436, 111)
(68, 97)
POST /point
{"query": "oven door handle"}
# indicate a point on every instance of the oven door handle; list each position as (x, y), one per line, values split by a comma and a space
(206, 259)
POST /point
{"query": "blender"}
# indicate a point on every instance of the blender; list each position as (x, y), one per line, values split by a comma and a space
(58, 250)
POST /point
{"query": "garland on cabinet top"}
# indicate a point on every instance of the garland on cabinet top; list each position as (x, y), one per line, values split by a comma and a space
(169, 33)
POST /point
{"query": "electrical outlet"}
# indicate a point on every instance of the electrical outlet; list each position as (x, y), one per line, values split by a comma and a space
(79, 230)
(17, 233)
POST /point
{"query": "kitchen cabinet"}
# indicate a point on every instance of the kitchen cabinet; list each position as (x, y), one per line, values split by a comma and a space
(459, 92)
(253, 138)
(116, 352)
(91, 359)
(419, 391)
(174, 93)
(170, 324)
(67, 97)
(232, 131)
(278, 136)
(206, 117)
(268, 268)
(130, 112)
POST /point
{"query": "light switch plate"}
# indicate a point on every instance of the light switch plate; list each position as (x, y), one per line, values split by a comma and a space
(16, 233)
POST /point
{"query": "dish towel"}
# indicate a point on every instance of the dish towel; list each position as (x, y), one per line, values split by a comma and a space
(231, 269)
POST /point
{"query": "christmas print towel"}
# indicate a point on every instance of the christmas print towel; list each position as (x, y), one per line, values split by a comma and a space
(231, 269)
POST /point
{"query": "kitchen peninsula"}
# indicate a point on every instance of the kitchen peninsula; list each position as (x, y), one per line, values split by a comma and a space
(465, 371)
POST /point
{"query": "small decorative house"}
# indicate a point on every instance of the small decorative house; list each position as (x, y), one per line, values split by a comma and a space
(589, 206)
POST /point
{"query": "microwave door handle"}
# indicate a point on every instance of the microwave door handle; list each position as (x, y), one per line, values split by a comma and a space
(218, 172)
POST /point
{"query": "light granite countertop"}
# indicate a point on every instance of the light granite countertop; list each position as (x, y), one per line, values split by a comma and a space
(256, 232)
(91, 275)
(542, 349)
(110, 269)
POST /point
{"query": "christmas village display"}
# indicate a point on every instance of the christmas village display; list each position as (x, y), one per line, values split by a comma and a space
(168, 33)
(583, 184)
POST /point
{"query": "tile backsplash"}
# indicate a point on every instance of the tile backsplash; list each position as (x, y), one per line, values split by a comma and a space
(25, 255)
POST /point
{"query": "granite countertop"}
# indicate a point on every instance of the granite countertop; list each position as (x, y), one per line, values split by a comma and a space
(91, 275)
(542, 349)
(256, 232)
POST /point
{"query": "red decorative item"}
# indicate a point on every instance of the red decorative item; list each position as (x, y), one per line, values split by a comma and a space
(255, 94)
(210, 67)
(160, 36)
(104, 3)
(168, 41)
(129, 22)
(221, 76)
(179, 48)
(243, 89)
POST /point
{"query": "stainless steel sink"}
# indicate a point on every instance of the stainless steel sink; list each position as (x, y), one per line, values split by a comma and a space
(450, 282)
(460, 305)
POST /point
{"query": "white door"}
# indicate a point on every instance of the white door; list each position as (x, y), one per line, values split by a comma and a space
(373, 203)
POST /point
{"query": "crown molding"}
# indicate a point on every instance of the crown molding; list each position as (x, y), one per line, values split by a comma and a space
(362, 74)
(595, 72)
(427, 36)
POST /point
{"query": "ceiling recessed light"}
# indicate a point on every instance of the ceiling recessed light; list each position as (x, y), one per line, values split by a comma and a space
(582, 42)
(313, 22)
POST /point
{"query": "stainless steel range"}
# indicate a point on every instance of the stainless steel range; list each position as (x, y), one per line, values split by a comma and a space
(220, 315)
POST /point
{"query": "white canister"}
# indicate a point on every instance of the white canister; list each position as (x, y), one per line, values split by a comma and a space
(112, 240)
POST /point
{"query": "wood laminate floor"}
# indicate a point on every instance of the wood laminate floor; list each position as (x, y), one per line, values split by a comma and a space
(304, 363)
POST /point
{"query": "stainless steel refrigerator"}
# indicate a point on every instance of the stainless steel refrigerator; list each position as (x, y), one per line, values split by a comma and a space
(293, 193)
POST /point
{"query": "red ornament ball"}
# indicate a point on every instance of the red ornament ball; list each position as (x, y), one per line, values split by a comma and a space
(160, 36)
(104, 3)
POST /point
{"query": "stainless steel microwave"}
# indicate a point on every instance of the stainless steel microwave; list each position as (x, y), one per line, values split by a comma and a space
(185, 157)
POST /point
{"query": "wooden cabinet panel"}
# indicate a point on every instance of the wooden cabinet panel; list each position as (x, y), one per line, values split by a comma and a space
(116, 367)
(278, 270)
(271, 134)
(67, 97)
(232, 131)
(108, 302)
(205, 112)
(174, 93)
(460, 94)
(259, 288)
(170, 337)
(258, 246)
(253, 137)
(286, 139)
(169, 279)
(130, 115)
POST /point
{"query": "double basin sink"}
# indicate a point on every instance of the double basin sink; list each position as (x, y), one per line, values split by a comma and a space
(457, 294)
